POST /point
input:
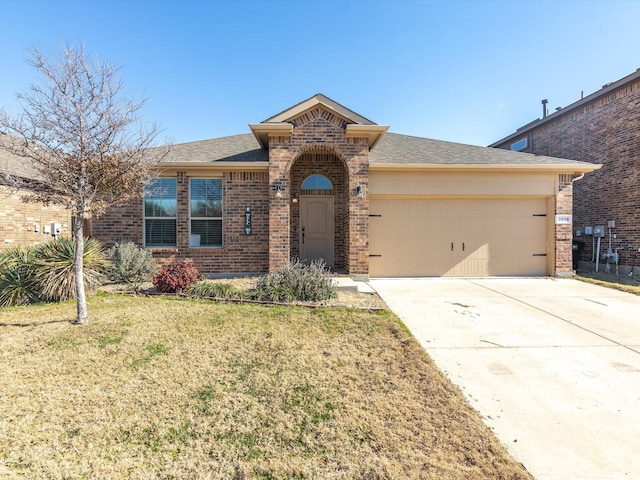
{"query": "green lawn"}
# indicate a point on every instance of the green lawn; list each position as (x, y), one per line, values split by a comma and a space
(177, 388)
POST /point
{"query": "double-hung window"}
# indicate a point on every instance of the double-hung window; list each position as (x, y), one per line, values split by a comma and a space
(206, 212)
(160, 205)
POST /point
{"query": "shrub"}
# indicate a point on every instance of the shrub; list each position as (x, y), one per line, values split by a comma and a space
(55, 269)
(18, 281)
(175, 278)
(298, 282)
(45, 272)
(131, 264)
(214, 290)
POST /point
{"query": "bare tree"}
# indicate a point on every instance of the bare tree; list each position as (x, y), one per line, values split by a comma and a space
(85, 143)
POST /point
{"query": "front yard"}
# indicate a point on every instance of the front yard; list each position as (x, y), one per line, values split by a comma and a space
(179, 388)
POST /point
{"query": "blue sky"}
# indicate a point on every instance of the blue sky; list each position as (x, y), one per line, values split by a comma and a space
(462, 71)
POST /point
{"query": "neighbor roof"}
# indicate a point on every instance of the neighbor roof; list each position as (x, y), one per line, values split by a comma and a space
(605, 90)
(12, 164)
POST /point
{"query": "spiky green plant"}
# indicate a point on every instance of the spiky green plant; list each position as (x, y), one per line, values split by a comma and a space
(18, 281)
(55, 270)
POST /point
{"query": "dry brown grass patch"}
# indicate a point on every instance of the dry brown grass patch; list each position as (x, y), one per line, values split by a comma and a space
(175, 388)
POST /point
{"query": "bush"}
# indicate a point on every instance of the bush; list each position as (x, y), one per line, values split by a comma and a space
(18, 281)
(45, 272)
(132, 265)
(214, 290)
(176, 277)
(55, 269)
(296, 282)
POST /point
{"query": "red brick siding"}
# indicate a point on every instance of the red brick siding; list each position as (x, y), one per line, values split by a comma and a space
(602, 131)
(18, 218)
(240, 253)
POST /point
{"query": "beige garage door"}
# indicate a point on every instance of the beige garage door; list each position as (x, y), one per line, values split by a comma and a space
(457, 237)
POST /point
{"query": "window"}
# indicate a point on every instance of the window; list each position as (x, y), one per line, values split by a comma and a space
(519, 145)
(317, 182)
(206, 212)
(160, 213)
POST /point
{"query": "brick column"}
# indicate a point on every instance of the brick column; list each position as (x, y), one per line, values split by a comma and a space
(279, 208)
(182, 193)
(358, 236)
(564, 233)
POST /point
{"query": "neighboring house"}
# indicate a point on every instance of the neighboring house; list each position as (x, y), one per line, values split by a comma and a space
(319, 181)
(602, 128)
(26, 223)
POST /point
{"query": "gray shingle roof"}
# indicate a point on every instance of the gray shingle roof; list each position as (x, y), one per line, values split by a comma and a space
(393, 149)
(13, 164)
(236, 148)
(407, 150)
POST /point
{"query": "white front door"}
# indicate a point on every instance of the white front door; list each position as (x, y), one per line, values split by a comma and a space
(316, 228)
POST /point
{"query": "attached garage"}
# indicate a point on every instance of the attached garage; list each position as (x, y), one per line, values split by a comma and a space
(457, 236)
(444, 209)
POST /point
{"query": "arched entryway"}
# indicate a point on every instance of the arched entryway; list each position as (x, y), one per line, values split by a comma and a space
(319, 209)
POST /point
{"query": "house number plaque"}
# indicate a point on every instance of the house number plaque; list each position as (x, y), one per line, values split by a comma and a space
(247, 222)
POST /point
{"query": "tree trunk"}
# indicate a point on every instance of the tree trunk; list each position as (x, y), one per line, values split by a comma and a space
(78, 270)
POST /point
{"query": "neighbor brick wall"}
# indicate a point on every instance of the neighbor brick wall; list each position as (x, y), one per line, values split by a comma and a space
(18, 218)
(607, 131)
(240, 253)
(320, 131)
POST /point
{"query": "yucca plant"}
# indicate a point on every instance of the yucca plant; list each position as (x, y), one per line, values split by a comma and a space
(18, 282)
(55, 270)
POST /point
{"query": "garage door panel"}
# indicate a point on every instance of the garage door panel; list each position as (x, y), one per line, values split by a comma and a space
(414, 237)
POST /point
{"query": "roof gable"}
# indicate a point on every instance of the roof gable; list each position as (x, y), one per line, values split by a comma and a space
(319, 100)
(283, 123)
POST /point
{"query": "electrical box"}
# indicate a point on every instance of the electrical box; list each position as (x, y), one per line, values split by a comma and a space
(46, 229)
(588, 230)
(598, 231)
(578, 233)
(611, 224)
(56, 229)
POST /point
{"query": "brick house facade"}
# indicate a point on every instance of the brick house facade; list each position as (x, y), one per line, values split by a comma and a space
(319, 181)
(599, 128)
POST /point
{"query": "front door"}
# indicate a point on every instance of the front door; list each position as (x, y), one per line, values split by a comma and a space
(316, 228)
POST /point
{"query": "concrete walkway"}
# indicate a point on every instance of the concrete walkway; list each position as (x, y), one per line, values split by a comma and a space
(553, 366)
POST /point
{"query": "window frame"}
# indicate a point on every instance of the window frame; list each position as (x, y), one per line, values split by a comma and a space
(317, 175)
(145, 217)
(220, 218)
(520, 145)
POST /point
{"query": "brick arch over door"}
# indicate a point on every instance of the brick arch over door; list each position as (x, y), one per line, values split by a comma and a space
(329, 165)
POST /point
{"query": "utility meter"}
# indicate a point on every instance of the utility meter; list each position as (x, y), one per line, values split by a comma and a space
(598, 231)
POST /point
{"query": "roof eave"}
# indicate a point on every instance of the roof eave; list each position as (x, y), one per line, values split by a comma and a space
(373, 133)
(573, 169)
(262, 131)
(216, 165)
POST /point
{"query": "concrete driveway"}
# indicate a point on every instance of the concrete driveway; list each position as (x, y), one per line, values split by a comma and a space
(553, 366)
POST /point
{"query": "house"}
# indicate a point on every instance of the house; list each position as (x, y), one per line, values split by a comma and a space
(319, 181)
(24, 223)
(600, 128)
